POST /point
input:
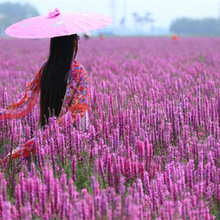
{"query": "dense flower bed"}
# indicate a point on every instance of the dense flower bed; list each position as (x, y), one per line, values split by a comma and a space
(153, 144)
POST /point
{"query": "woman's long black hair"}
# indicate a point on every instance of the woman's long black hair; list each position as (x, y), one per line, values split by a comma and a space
(53, 80)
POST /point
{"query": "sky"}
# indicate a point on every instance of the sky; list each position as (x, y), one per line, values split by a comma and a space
(162, 11)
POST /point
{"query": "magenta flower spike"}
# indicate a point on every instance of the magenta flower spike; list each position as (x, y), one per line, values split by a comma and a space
(6, 210)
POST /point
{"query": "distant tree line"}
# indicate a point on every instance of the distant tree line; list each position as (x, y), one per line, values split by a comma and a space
(188, 26)
(14, 12)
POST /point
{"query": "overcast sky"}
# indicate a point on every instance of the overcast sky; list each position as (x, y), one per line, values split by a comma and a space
(163, 11)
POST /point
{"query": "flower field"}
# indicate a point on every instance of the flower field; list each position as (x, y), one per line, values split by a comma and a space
(153, 145)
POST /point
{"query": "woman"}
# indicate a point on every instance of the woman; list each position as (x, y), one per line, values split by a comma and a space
(63, 86)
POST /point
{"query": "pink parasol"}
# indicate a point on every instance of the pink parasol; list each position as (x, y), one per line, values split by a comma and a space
(58, 24)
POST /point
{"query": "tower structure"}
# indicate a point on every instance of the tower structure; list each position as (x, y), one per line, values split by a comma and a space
(125, 9)
(219, 11)
(113, 11)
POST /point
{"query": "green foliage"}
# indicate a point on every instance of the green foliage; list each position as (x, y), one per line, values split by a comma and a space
(14, 12)
(188, 26)
(202, 58)
(83, 172)
(216, 209)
